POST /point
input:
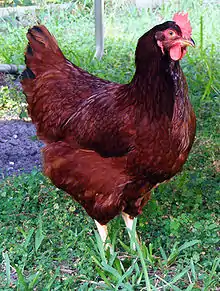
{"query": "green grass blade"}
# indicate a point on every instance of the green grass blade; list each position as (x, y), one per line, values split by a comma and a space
(125, 247)
(188, 244)
(7, 267)
(163, 254)
(100, 246)
(119, 266)
(201, 35)
(34, 281)
(124, 286)
(111, 270)
(50, 283)
(209, 282)
(179, 276)
(144, 266)
(39, 236)
(140, 278)
(193, 271)
(28, 238)
(21, 279)
(128, 272)
(174, 288)
(96, 261)
(104, 278)
(190, 287)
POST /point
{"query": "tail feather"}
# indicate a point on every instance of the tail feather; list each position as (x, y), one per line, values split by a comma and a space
(42, 51)
(48, 84)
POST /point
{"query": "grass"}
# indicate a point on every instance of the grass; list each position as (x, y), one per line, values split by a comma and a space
(48, 242)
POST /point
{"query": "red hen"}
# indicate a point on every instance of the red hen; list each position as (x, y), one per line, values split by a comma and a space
(109, 144)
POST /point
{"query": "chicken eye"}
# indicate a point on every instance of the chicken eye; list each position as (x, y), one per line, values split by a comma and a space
(171, 32)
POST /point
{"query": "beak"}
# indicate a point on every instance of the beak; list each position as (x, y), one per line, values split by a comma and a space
(187, 42)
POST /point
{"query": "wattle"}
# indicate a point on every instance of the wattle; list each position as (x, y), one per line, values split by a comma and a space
(177, 52)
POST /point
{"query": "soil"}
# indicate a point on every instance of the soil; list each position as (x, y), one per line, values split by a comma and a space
(19, 148)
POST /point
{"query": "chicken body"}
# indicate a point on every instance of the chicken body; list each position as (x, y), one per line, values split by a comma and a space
(109, 144)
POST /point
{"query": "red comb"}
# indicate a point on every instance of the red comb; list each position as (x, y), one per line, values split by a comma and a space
(183, 22)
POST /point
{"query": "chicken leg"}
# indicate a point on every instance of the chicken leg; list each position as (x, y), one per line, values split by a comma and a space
(103, 231)
(129, 224)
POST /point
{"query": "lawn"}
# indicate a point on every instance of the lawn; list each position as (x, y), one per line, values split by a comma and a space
(47, 242)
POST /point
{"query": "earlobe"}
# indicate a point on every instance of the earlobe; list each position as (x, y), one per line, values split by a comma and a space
(159, 36)
(159, 43)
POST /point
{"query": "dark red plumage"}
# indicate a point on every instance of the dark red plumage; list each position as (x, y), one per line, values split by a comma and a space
(109, 144)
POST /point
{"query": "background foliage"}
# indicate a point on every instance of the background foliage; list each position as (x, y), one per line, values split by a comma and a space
(47, 241)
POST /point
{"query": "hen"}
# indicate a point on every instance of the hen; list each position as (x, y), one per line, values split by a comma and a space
(109, 144)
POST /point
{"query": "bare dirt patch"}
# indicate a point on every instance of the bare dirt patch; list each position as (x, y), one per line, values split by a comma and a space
(19, 148)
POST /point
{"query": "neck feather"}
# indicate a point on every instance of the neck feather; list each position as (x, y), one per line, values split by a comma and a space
(154, 83)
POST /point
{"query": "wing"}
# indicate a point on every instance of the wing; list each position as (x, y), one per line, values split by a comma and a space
(101, 124)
